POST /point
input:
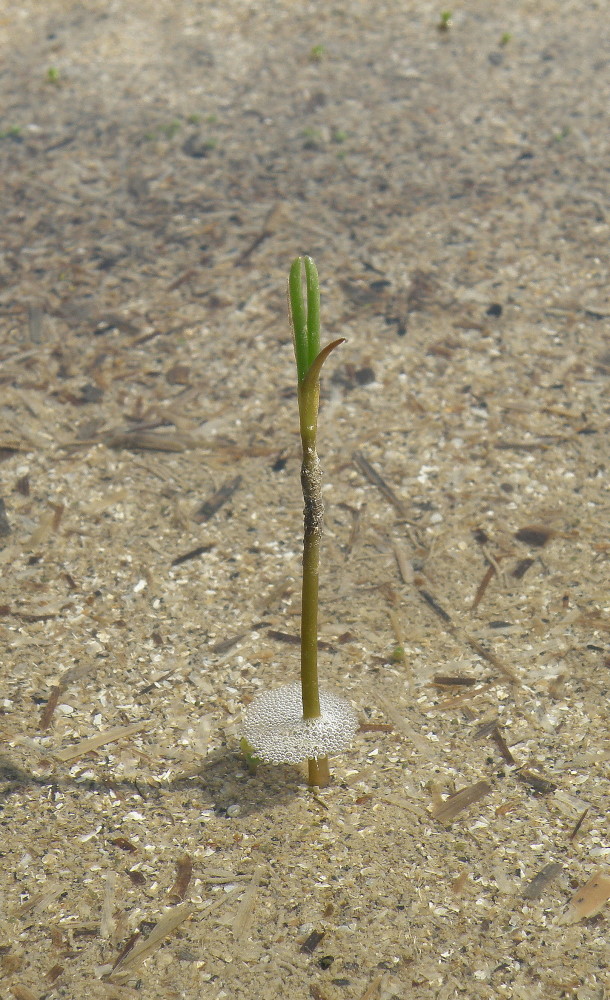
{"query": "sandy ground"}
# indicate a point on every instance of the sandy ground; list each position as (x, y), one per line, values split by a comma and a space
(162, 164)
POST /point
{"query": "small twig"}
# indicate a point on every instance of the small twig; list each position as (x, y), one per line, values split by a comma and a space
(386, 490)
(193, 554)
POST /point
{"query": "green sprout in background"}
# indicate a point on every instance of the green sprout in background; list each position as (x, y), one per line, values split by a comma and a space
(300, 722)
(317, 53)
(12, 132)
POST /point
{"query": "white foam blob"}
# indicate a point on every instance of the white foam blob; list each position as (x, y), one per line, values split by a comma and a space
(277, 732)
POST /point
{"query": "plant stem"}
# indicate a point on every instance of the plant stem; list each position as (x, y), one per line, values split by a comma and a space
(311, 482)
(319, 772)
(306, 330)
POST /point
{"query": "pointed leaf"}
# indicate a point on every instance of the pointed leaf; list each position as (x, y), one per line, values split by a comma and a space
(314, 371)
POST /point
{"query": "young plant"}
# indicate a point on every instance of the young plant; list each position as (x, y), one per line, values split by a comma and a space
(298, 721)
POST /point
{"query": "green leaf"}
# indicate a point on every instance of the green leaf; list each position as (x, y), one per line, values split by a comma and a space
(304, 315)
(313, 373)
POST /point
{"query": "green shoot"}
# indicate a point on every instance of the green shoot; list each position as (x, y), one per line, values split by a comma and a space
(305, 319)
(299, 722)
(317, 53)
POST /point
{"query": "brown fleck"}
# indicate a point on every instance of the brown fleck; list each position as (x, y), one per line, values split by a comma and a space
(58, 513)
(574, 833)
(124, 844)
(135, 876)
(294, 640)
(436, 607)
(541, 785)
(127, 947)
(5, 528)
(184, 871)
(311, 943)
(458, 883)
(521, 568)
(478, 597)
(536, 886)
(453, 680)
(178, 375)
(453, 804)
(225, 644)
(10, 963)
(193, 554)
(22, 993)
(480, 536)
(51, 705)
(535, 535)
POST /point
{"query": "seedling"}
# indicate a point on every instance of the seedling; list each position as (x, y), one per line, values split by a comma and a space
(317, 53)
(299, 722)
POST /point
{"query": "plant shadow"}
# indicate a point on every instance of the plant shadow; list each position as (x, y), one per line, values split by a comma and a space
(221, 782)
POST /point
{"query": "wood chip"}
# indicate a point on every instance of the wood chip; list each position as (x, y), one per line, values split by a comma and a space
(5, 528)
(149, 441)
(226, 644)
(521, 568)
(245, 914)
(101, 740)
(404, 566)
(184, 872)
(107, 921)
(454, 804)
(478, 597)
(588, 900)
(492, 729)
(540, 882)
(386, 490)
(311, 943)
(51, 705)
(536, 781)
(144, 948)
(371, 990)
(40, 900)
(453, 680)
(576, 829)
(536, 535)
(192, 554)
(23, 993)
(432, 602)
(295, 640)
(488, 655)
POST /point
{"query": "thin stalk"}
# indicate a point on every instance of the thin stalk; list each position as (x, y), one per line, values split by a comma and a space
(305, 318)
(312, 534)
(319, 772)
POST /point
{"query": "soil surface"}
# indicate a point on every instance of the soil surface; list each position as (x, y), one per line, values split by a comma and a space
(162, 164)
